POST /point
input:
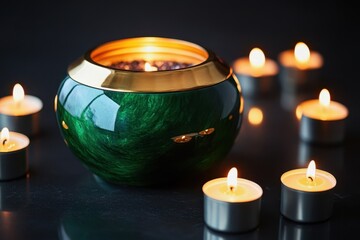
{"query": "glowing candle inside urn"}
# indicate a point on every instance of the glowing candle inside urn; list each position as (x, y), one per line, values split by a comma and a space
(322, 120)
(306, 194)
(20, 112)
(256, 73)
(150, 66)
(13, 154)
(232, 204)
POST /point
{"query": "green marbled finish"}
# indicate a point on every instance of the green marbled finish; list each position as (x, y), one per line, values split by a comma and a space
(126, 138)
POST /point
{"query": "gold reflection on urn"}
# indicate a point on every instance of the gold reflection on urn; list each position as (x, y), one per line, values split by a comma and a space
(207, 131)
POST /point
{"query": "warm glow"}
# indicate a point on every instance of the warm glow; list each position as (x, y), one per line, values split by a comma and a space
(18, 93)
(149, 49)
(232, 179)
(324, 97)
(4, 135)
(310, 172)
(149, 68)
(298, 112)
(302, 52)
(257, 58)
(255, 116)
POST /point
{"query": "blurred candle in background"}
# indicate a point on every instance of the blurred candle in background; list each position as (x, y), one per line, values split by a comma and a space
(322, 120)
(299, 68)
(21, 112)
(256, 73)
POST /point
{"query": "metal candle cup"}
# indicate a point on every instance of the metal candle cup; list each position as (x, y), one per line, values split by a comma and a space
(322, 123)
(13, 156)
(22, 115)
(304, 201)
(232, 210)
(255, 80)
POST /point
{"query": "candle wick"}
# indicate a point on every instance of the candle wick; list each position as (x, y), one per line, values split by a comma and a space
(232, 188)
(311, 178)
(4, 142)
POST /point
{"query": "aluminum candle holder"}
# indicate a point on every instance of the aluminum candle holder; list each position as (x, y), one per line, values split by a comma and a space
(20, 112)
(320, 131)
(232, 217)
(306, 202)
(322, 121)
(148, 110)
(232, 204)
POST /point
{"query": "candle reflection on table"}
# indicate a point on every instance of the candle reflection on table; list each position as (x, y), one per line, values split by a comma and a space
(210, 234)
(295, 231)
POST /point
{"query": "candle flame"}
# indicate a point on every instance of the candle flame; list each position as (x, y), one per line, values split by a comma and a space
(255, 116)
(4, 135)
(257, 58)
(149, 68)
(232, 179)
(18, 93)
(310, 172)
(324, 97)
(302, 52)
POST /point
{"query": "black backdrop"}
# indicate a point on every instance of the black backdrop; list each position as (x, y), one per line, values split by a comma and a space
(39, 39)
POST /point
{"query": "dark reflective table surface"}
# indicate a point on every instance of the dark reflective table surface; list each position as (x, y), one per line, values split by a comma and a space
(61, 199)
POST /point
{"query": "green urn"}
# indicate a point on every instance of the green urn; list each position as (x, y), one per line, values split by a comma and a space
(149, 110)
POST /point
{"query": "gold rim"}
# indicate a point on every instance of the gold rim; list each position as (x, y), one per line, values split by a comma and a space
(94, 68)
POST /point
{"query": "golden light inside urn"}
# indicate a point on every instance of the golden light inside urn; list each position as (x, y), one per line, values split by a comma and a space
(149, 49)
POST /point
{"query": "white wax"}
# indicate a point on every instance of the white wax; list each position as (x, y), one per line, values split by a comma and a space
(296, 179)
(29, 105)
(287, 59)
(313, 109)
(17, 141)
(244, 67)
(245, 191)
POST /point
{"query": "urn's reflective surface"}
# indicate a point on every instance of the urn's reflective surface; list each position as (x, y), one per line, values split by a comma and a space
(142, 128)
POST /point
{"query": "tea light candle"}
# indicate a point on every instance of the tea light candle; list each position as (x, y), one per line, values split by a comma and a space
(13, 154)
(232, 204)
(306, 194)
(322, 120)
(299, 67)
(255, 73)
(20, 112)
